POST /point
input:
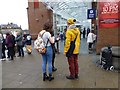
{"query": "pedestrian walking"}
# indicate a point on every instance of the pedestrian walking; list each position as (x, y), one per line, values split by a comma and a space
(84, 33)
(72, 34)
(88, 31)
(90, 39)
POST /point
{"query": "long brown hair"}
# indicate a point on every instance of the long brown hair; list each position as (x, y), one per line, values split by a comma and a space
(47, 26)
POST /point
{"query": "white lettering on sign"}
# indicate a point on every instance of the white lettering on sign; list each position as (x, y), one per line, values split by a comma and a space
(110, 7)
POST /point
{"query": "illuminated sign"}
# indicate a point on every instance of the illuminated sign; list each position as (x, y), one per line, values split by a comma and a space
(91, 14)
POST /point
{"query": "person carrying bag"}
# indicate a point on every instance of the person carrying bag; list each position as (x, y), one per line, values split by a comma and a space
(47, 55)
(71, 48)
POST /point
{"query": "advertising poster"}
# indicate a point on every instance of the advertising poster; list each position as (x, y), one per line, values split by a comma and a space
(109, 14)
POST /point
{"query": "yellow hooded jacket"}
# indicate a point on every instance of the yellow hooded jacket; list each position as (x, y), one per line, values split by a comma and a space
(71, 34)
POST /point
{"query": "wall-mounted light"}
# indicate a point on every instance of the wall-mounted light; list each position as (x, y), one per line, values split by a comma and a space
(37, 19)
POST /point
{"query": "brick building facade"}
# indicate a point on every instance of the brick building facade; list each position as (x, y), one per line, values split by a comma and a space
(38, 14)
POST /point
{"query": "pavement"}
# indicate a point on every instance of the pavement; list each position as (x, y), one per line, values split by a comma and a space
(26, 72)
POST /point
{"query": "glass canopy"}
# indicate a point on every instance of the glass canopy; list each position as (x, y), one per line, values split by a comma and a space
(70, 8)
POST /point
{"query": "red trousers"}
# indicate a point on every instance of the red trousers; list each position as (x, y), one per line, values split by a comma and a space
(73, 65)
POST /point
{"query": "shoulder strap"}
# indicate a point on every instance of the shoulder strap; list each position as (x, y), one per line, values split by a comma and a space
(42, 34)
(47, 40)
(47, 43)
(75, 37)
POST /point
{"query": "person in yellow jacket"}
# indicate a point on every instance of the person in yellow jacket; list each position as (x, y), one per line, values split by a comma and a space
(72, 33)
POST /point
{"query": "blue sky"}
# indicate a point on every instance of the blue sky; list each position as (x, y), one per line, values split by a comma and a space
(14, 11)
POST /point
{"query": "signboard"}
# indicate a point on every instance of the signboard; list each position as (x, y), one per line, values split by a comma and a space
(108, 14)
(91, 14)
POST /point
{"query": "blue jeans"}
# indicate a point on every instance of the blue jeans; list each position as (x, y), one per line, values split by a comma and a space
(47, 59)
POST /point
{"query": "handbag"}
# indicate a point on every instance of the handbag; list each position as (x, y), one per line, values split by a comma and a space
(71, 49)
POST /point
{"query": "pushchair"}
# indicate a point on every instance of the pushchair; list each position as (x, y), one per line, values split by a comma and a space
(106, 59)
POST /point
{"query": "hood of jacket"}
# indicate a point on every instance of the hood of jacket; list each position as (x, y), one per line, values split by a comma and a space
(72, 26)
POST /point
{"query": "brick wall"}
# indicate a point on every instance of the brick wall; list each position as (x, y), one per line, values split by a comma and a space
(37, 17)
(108, 37)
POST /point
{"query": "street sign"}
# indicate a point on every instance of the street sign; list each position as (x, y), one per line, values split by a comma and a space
(91, 14)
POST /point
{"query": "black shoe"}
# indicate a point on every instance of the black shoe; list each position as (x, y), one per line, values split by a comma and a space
(18, 56)
(54, 69)
(45, 77)
(51, 77)
(70, 77)
(29, 53)
(22, 55)
(76, 76)
(11, 59)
